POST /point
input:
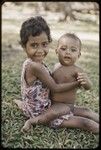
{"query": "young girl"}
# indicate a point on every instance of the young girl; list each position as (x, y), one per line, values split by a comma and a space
(36, 79)
(66, 71)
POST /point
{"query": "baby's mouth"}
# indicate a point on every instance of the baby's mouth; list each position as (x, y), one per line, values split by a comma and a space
(67, 57)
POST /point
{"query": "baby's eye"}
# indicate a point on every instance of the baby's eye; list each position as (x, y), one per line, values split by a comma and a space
(62, 48)
(73, 49)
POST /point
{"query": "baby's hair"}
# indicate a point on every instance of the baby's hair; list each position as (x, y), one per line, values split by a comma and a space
(34, 26)
(73, 36)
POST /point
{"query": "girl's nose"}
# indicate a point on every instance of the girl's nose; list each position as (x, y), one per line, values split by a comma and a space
(40, 49)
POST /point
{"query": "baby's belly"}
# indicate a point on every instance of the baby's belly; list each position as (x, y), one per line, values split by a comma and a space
(64, 97)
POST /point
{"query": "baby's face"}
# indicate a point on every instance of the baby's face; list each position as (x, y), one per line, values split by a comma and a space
(68, 51)
(37, 47)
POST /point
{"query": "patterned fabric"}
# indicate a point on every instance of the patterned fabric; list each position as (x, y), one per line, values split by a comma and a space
(36, 98)
(57, 122)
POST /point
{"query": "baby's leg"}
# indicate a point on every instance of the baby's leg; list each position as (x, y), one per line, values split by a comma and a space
(56, 110)
(86, 112)
(82, 123)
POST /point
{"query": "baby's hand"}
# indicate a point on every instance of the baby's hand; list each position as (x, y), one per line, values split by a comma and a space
(84, 81)
(82, 78)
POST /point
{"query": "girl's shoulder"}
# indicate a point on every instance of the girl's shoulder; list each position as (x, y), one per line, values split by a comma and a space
(28, 63)
(32, 70)
(28, 72)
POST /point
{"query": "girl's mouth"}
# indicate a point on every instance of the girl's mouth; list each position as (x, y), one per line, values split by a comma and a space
(39, 56)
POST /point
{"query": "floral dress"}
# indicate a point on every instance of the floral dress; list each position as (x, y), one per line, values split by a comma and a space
(36, 98)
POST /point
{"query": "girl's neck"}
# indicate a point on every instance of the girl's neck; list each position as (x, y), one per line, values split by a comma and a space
(34, 61)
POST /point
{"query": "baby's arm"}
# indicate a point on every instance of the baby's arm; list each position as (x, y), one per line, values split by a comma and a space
(40, 72)
(84, 81)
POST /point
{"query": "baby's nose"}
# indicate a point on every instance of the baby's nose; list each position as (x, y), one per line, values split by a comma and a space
(67, 51)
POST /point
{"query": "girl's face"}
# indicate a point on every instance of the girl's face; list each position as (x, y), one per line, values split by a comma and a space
(68, 51)
(37, 47)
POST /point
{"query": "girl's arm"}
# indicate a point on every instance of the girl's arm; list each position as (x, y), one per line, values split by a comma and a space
(40, 72)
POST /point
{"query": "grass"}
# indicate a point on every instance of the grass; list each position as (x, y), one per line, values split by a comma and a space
(43, 136)
(40, 136)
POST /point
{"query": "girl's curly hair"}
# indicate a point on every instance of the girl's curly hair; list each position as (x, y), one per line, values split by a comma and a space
(34, 26)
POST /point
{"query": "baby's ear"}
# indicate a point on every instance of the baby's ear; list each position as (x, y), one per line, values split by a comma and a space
(56, 51)
(79, 55)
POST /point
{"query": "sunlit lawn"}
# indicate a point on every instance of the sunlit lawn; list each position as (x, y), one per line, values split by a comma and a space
(42, 136)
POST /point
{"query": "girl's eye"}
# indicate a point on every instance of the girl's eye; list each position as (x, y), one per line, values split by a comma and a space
(45, 44)
(34, 45)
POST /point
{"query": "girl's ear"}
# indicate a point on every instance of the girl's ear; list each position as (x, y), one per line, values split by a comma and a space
(24, 47)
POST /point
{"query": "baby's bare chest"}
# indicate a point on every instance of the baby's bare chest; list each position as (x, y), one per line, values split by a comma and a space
(64, 74)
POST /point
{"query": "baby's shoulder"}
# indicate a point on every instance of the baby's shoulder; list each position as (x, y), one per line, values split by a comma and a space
(56, 66)
(77, 68)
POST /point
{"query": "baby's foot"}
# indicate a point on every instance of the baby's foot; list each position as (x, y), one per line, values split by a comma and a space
(26, 127)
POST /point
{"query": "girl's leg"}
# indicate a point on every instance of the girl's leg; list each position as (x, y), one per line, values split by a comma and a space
(19, 103)
(82, 123)
(27, 125)
(86, 112)
(56, 110)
